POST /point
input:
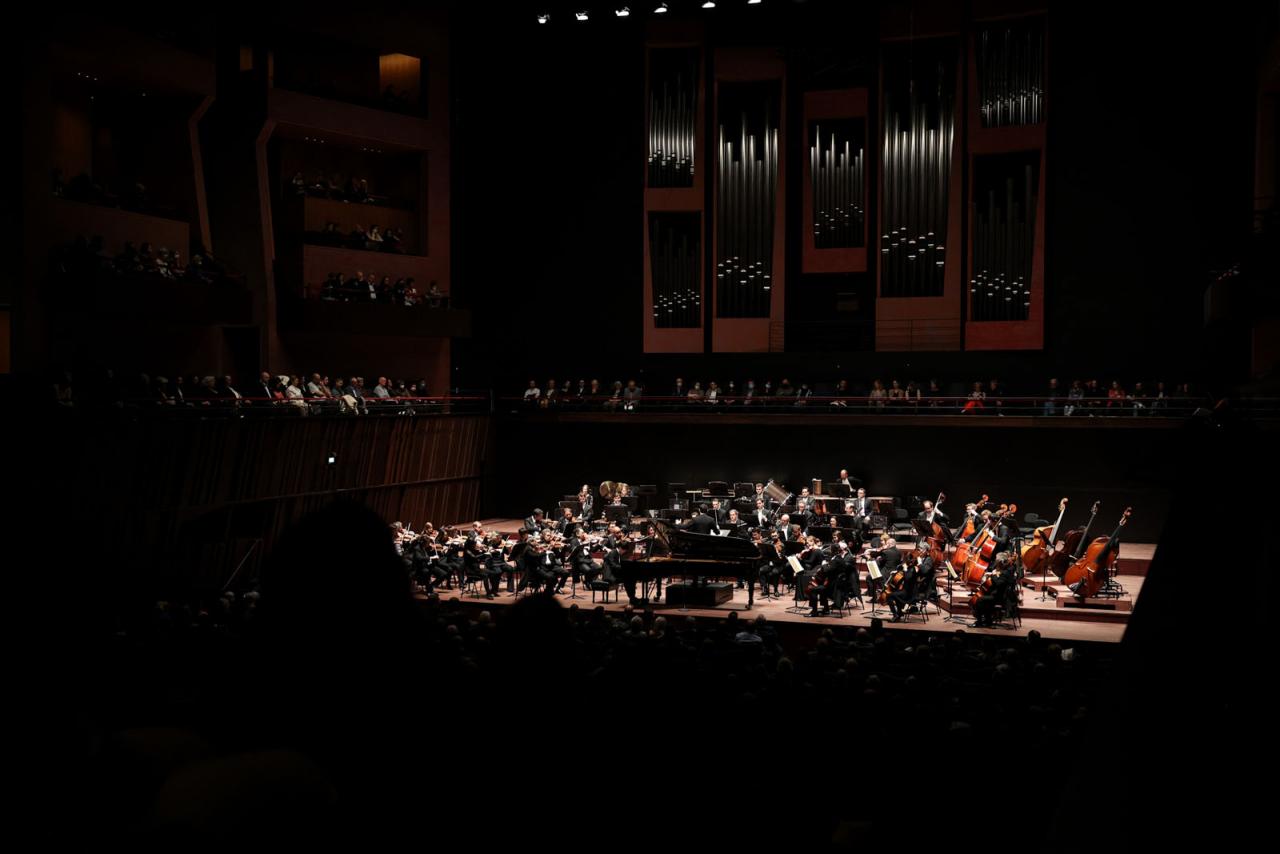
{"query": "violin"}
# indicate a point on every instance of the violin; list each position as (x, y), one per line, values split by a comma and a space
(1087, 575)
(1035, 555)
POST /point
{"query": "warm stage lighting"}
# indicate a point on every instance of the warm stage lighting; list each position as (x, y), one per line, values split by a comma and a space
(581, 16)
(542, 19)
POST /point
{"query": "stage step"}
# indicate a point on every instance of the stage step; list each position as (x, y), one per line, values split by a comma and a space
(1066, 600)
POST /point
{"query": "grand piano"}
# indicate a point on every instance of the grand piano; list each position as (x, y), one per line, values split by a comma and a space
(675, 551)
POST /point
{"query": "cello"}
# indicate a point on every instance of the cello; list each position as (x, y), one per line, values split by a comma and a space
(1073, 546)
(1088, 574)
(960, 556)
(1036, 555)
(984, 545)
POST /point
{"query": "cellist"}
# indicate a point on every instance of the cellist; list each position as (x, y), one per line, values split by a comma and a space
(996, 593)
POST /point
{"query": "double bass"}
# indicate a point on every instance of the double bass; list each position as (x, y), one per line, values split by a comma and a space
(1073, 546)
(940, 536)
(1087, 575)
(967, 529)
(1036, 554)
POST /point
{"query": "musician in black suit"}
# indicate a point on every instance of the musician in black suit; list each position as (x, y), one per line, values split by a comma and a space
(761, 517)
(859, 507)
(929, 513)
(703, 523)
(843, 570)
(899, 599)
(851, 482)
(580, 562)
(775, 565)
(492, 567)
(926, 574)
(588, 502)
(735, 525)
(984, 607)
(785, 531)
(752, 573)
(718, 513)
(516, 557)
(889, 559)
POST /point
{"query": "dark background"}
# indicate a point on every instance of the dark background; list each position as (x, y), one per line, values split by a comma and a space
(1150, 157)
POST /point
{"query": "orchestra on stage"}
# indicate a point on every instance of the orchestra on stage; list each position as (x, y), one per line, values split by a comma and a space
(832, 550)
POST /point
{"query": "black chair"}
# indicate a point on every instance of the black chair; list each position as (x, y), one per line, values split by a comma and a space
(901, 524)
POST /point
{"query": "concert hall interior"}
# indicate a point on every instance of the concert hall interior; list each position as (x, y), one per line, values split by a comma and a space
(757, 422)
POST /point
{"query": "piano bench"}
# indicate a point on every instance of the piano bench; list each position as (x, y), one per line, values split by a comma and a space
(603, 588)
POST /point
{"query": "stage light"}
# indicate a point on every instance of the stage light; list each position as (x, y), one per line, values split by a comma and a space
(543, 18)
(754, 2)
(661, 10)
(581, 16)
(710, 4)
(333, 458)
(623, 12)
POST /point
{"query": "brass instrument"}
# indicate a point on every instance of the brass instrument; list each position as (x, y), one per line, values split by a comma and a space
(610, 489)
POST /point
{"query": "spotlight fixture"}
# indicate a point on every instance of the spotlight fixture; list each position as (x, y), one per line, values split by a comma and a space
(623, 12)
(543, 18)
(661, 10)
(710, 4)
(581, 16)
(754, 2)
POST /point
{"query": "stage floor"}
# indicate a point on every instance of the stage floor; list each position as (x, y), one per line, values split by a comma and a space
(1104, 623)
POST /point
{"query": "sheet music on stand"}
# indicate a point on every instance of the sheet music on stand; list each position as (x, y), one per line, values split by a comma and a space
(873, 569)
(795, 564)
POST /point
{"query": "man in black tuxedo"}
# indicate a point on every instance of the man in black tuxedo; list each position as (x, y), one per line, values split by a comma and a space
(984, 608)
(719, 514)
(735, 525)
(900, 598)
(784, 529)
(761, 517)
(859, 507)
(889, 560)
(703, 523)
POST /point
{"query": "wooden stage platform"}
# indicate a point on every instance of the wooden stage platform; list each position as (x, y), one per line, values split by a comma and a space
(1060, 618)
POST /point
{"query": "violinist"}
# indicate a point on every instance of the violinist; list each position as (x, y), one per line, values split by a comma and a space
(566, 521)
(843, 573)
(996, 593)
(513, 557)
(580, 559)
(534, 521)
(775, 566)
(495, 563)
(890, 559)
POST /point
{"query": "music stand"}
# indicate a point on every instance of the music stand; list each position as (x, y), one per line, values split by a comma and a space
(875, 597)
(840, 490)
(952, 616)
(619, 514)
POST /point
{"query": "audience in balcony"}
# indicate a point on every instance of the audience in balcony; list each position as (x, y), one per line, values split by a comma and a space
(86, 259)
(988, 398)
(372, 288)
(126, 193)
